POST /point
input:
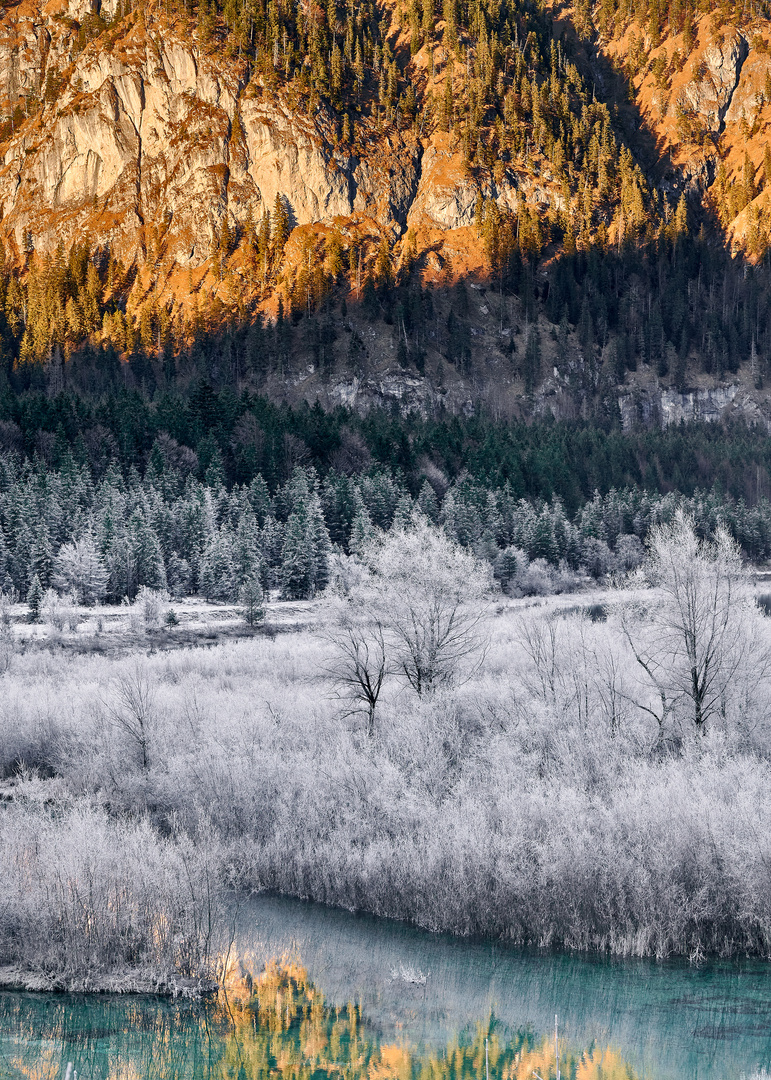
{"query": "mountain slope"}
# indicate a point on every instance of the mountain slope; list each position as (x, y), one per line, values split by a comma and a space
(507, 204)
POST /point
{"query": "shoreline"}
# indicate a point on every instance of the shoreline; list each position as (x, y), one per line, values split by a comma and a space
(17, 980)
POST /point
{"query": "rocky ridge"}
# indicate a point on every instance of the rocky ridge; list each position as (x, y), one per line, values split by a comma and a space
(145, 138)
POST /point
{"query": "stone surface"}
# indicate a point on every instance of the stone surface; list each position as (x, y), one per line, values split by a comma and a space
(710, 92)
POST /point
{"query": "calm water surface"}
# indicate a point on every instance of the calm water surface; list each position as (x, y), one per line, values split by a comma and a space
(366, 999)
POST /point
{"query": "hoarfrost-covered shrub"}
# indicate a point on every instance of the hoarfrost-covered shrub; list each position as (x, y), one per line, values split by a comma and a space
(536, 579)
(7, 600)
(630, 552)
(518, 576)
(149, 907)
(151, 606)
(59, 611)
(347, 574)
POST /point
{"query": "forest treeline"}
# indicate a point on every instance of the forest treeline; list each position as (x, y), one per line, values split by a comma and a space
(104, 539)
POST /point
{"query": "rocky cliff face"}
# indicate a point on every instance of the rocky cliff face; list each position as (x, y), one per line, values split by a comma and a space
(150, 132)
(707, 105)
(145, 136)
(146, 140)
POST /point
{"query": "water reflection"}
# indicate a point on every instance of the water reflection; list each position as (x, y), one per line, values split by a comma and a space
(667, 1020)
(401, 1003)
(275, 1026)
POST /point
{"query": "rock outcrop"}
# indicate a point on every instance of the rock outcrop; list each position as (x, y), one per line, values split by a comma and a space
(150, 130)
(717, 76)
(148, 141)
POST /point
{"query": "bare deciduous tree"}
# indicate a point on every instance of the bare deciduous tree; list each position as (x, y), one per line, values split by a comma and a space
(131, 707)
(359, 662)
(415, 610)
(430, 596)
(699, 640)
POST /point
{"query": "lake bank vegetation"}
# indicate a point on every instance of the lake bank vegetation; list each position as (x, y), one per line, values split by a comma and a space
(545, 772)
(92, 902)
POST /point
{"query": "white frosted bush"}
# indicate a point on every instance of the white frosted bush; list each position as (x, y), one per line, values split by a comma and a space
(60, 610)
(150, 607)
(150, 900)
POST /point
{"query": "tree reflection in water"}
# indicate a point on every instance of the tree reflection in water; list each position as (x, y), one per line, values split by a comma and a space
(275, 1026)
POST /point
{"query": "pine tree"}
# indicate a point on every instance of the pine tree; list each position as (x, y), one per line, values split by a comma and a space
(251, 598)
(362, 530)
(681, 217)
(336, 80)
(280, 230)
(217, 575)
(334, 259)
(79, 569)
(383, 267)
(246, 556)
(304, 558)
(446, 114)
(34, 599)
(144, 542)
(749, 190)
(427, 502)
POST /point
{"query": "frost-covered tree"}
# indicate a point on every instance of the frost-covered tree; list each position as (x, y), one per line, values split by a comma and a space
(80, 569)
(217, 577)
(362, 529)
(151, 606)
(246, 554)
(699, 644)
(252, 600)
(34, 598)
(135, 558)
(431, 597)
(130, 706)
(304, 568)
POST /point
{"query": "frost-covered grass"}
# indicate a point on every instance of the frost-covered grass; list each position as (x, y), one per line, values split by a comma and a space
(538, 802)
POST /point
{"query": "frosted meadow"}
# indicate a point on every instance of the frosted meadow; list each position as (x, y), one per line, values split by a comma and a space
(544, 772)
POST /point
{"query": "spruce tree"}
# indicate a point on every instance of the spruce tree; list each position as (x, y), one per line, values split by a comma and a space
(34, 599)
(251, 599)
(304, 558)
